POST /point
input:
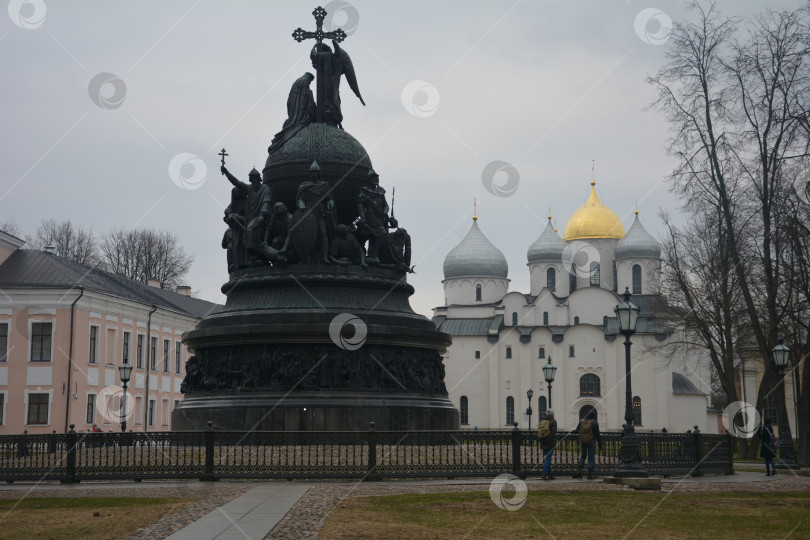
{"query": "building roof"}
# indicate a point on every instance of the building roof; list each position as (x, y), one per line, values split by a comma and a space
(637, 243)
(27, 268)
(548, 247)
(593, 220)
(683, 386)
(475, 256)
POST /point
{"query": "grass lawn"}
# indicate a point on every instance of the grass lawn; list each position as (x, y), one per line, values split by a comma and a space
(573, 514)
(73, 517)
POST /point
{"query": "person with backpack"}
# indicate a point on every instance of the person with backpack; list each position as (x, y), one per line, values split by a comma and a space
(767, 450)
(547, 434)
(589, 436)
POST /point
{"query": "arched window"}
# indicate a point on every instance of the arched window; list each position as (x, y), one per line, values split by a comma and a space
(604, 320)
(477, 354)
(576, 320)
(510, 411)
(478, 293)
(571, 351)
(636, 411)
(615, 278)
(545, 318)
(551, 279)
(636, 279)
(541, 353)
(595, 274)
(509, 352)
(541, 407)
(573, 277)
(514, 319)
(463, 407)
(589, 385)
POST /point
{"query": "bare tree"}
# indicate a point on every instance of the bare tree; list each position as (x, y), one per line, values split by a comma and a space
(145, 254)
(10, 226)
(73, 242)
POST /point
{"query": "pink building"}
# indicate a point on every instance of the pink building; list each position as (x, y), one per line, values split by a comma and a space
(64, 330)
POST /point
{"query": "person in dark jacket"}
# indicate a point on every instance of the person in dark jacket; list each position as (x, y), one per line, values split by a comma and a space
(547, 443)
(767, 450)
(589, 437)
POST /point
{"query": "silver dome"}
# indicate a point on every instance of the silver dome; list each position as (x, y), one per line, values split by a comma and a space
(637, 243)
(548, 247)
(475, 256)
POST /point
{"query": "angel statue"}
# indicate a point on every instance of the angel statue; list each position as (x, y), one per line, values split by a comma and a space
(332, 66)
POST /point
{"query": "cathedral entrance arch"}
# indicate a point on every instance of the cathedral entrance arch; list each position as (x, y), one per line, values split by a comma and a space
(589, 411)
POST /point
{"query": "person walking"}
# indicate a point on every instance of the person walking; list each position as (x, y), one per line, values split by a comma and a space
(589, 437)
(768, 447)
(547, 434)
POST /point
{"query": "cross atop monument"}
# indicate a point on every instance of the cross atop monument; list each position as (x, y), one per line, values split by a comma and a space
(319, 35)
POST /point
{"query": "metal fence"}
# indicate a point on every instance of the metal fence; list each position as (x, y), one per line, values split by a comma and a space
(209, 455)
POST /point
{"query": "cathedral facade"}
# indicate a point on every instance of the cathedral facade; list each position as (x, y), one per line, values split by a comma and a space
(502, 339)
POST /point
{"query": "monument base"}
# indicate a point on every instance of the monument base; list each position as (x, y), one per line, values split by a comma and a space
(315, 411)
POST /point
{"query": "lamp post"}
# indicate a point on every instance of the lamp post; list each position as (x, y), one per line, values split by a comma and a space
(787, 456)
(530, 394)
(548, 372)
(627, 314)
(124, 370)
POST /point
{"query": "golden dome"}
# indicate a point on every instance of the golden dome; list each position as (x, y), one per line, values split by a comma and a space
(593, 220)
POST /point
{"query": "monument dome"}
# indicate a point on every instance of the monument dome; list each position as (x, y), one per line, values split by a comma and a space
(593, 220)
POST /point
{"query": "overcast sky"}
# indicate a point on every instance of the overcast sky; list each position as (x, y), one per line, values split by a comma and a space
(450, 87)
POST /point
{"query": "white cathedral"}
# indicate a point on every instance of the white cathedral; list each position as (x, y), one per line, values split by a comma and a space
(502, 339)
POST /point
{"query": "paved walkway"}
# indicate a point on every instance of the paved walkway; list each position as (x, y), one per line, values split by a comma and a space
(248, 517)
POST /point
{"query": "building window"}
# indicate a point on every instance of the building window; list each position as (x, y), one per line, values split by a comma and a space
(541, 407)
(90, 415)
(125, 354)
(37, 409)
(477, 354)
(604, 320)
(3, 342)
(139, 353)
(573, 277)
(463, 408)
(153, 355)
(510, 411)
(589, 385)
(571, 351)
(615, 278)
(541, 353)
(2, 409)
(41, 342)
(576, 320)
(178, 356)
(551, 279)
(93, 345)
(509, 352)
(545, 318)
(769, 410)
(150, 415)
(478, 293)
(514, 319)
(636, 411)
(166, 355)
(595, 274)
(176, 403)
(636, 279)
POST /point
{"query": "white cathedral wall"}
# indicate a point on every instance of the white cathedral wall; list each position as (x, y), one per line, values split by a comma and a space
(650, 275)
(591, 305)
(583, 252)
(538, 280)
(462, 290)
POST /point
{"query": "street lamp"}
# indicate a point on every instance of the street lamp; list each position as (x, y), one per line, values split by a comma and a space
(124, 370)
(529, 394)
(627, 314)
(787, 456)
(548, 372)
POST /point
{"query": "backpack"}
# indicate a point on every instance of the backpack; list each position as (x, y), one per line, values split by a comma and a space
(586, 432)
(773, 441)
(543, 431)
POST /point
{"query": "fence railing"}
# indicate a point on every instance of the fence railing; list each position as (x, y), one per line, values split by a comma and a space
(209, 455)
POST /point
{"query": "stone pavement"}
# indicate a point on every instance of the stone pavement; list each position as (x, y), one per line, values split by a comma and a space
(251, 516)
